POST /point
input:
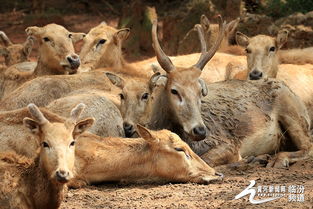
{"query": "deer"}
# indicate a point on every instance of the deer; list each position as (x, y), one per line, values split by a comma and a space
(108, 119)
(15, 53)
(102, 51)
(60, 93)
(263, 62)
(215, 69)
(224, 122)
(98, 159)
(158, 156)
(57, 55)
(40, 182)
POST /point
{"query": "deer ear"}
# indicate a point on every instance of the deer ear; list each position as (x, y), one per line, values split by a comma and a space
(231, 27)
(33, 31)
(157, 80)
(121, 35)
(32, 125)
(82, 126)
(242, 39)
(116, 80)
(281, 38)
(77, 36)
(3, 51)
(146, 134)
(28, 45)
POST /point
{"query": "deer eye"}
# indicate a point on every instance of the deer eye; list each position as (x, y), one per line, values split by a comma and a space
(72, 143)
(178, 149)
(248, 51)
(70, 35)
(272, 49)
(102, 41)
(174, 91)
(45, 144)
(122, 96)
(46, 39)
(145, 96)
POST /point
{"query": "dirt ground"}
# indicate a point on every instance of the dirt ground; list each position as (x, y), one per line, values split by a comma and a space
(217, 195)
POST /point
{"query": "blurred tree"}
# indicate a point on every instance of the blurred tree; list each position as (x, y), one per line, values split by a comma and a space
(38, 6)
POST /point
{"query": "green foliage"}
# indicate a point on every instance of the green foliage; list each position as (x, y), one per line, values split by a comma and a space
(281, 8)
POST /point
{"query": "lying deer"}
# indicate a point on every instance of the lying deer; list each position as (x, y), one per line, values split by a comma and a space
(262, 62)
(225, 121)
(157, 156)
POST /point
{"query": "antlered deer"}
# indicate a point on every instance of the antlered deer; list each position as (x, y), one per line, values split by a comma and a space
(234, 119)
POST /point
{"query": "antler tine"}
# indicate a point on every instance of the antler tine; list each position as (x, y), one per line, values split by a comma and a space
(4, 38)
(37, 114)
(163, 60)
(206, 56)
(201, 35)
(205, 23)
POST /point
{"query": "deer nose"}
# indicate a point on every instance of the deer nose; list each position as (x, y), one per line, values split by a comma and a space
(255, 75)
(128, 128)
(74, 61)
(62, 176)
(199, 132)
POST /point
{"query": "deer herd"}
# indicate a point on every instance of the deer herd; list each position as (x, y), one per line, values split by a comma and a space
(164, 119)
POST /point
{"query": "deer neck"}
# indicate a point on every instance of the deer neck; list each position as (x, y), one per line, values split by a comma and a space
(43, 69)
(274, 68)
(44, 192)
(161, 117)
(112, 159)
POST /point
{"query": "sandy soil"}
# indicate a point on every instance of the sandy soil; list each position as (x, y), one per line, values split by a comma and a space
(218, 195)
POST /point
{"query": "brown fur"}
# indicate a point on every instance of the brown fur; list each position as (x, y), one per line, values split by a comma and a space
(43, 90)
(298, 78)
(35, 183)
(61, 93)
(296, 56)
(108, 56)
(15, 53)
(55, 46)
(151, 158)
(242, 118)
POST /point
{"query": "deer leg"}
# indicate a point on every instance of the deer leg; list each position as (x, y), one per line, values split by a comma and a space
(295, 120)
(220, 155)
(284, 159)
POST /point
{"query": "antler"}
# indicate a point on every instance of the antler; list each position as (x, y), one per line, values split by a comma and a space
(163, 60)
(6, 41)
(207, 55)
(37, 114)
